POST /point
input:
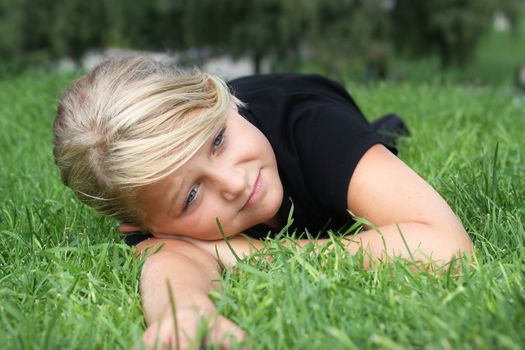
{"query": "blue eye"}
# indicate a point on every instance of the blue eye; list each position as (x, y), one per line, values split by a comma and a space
(191, 197)
(219, 139)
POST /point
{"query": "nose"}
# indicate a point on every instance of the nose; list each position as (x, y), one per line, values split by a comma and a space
(231, 181)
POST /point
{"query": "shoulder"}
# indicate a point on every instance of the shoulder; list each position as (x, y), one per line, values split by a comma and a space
(381, 177)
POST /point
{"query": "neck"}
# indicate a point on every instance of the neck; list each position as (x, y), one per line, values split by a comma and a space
(274, 222)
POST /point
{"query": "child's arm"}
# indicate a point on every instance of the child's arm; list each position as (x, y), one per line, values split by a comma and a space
(394, 199)
(389, 194)
(191, 273)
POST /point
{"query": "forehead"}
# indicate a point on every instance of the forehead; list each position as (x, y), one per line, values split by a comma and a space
(174, 179)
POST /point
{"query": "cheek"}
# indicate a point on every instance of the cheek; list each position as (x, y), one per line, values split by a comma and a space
(257, 146)
(199, 228)
(203, 222)
(268, 153)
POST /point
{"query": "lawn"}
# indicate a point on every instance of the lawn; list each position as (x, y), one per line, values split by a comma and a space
(67, 281)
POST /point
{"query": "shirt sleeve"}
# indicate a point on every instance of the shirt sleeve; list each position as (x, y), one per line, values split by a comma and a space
(330, 140)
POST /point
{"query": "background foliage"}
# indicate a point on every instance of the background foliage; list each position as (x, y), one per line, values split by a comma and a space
(336, 34)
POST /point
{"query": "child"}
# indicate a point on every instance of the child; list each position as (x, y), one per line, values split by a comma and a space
(167, 152)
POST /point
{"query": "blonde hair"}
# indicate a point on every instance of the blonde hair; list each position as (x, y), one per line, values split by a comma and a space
(129, 123)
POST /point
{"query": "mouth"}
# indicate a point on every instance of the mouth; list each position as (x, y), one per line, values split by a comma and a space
(256, 191)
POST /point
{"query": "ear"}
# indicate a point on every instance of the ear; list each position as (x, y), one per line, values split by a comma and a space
(125, 228)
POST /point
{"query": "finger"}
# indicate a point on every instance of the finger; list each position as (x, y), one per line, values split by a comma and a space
(226, 333)
(162, 338)
(157, 338)
(150, 338)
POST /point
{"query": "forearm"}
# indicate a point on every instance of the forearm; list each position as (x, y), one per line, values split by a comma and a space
(413, 241)
(418, 241)
(190, 276)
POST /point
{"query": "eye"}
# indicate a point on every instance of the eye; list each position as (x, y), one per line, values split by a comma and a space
(219, 139)
(191, 196)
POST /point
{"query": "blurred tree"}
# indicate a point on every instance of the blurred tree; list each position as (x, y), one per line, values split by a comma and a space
(333, 32)
(452, 28)
(144, 24)
(269, 28)
(345, 32)
(165, 25)
(74, 26)
(24, 28)
(47, 29)
(11, 18)
(513, 11)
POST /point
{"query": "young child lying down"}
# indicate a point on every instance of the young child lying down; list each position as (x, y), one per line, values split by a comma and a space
(168, 153)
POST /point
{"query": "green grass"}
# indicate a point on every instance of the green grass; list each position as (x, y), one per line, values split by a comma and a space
(68, 281)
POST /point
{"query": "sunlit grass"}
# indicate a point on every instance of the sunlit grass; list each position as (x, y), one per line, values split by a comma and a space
(68, 281)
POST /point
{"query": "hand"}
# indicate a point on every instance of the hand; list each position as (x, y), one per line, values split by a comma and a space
(162, 335)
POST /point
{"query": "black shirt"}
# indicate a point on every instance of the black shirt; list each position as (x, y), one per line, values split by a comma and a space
(318, 134)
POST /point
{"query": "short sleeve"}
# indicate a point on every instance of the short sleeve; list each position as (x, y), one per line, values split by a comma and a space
(330, 140)
(318, 135)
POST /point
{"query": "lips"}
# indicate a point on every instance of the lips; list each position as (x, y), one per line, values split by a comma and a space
(256, 191)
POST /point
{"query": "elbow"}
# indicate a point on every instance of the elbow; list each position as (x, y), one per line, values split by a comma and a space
(456, 244)
(442, 243)
(460, 239)
(464, 245)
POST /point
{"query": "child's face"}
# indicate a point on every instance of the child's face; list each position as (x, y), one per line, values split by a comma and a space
(233, 177)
